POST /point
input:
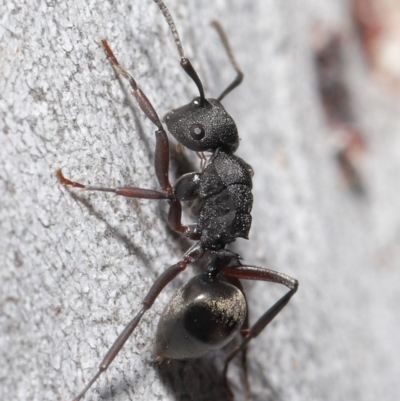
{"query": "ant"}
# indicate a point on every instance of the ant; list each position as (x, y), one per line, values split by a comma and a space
(208, 311)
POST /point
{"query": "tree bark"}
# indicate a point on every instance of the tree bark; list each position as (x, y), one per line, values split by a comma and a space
(76, 265)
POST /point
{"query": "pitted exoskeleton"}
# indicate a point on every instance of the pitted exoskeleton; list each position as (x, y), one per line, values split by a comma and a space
(211, 309)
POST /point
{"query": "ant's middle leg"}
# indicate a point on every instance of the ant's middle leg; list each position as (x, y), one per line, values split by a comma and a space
(175, 207)
(130, 192)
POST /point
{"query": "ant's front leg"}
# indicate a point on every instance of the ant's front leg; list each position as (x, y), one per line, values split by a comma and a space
(161, 162)
(162, 144)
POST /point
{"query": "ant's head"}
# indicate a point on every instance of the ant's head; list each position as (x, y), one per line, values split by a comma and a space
(202, 127)
(202, 124)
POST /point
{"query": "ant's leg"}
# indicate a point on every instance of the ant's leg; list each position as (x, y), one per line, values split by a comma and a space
(239, 74)
(244, 330)
(161, 159)
(174, 221)
(162, 150)
(156, 288)
(258, 273)
(175, 210)
(162, 144)
(194, 253)
(130, 192)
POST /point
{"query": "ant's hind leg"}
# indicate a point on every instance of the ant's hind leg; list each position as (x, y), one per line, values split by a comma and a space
(191, 255)
(245, 329)
(262, 274)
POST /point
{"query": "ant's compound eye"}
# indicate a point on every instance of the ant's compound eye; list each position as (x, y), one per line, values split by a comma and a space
(197, 132)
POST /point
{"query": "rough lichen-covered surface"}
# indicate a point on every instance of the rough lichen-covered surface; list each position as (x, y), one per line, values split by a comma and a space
(74, 266)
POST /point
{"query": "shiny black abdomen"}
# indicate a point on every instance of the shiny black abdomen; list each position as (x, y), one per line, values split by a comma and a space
(203, 315)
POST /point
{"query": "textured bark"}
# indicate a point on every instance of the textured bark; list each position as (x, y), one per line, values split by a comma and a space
(75, 266)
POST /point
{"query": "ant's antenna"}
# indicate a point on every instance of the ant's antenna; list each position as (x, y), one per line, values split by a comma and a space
(185, 63)
(239, 74)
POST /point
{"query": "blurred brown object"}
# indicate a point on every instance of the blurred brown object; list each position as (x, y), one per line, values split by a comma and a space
(378, 26)
(336, 99)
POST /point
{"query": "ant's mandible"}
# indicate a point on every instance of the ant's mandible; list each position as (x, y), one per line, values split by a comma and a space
(207, 312)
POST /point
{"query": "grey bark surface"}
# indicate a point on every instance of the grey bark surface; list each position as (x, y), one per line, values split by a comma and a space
(75, 266)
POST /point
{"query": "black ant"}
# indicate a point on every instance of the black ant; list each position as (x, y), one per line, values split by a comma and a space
(207, 312)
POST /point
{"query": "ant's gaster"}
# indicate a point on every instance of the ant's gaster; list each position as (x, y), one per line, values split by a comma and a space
(208, 311)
